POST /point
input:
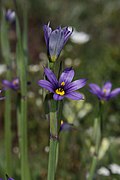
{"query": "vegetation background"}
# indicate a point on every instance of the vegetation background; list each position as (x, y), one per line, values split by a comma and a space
(98, 60)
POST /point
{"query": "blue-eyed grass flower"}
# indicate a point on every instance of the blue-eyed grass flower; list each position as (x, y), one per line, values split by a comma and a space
(55, 40)
(63, 87)
(104, 93)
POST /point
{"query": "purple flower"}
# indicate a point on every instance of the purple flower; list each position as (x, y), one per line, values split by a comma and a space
(65, 126)
(10, 15)
(63, 87)
(14, 84)
(105, 92)
(55, 40)
(9, 178)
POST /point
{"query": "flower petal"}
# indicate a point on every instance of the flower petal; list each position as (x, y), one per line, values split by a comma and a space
(95, 89)
(51, 76)
(66, 126)
(56, 42)
(47, 31)
(75, 96)
(46, 84)
(107, 88)
(57, 97)
(75, 85)
(7, 84)
(15, 83)
(67, 34)
(114, 93)
(67, 75)
(10, 179)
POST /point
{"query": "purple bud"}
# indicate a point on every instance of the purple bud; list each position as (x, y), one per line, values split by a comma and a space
(10, 15)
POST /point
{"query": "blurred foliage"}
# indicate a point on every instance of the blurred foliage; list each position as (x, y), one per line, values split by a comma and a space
(98, 60)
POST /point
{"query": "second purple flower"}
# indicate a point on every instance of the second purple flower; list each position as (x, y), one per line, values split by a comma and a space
(63, 87)
(14, 84)
(105, 92)
(55, 40)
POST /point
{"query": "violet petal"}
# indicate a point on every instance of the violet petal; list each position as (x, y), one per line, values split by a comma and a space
(57, 97)
(7, 83)
(95, 89)
(67, 75)
(46, 84)
(75, 96)
(47, 31)
(114, 93)
(56, 42)
(75, 85)
(107, 88)
(51, 76)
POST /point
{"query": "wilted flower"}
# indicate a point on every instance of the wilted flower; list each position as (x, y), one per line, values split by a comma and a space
(55, 40)
(105, 92)
(65, 126)
(1, 96)
(64, 87)
(14, 84)
(10, 15)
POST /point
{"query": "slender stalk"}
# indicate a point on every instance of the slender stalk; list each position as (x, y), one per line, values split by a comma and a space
(53, 153)
(6, 55)
(23, 105)
(98, 136)
(52, 159)
(55, 118)
(25, 51)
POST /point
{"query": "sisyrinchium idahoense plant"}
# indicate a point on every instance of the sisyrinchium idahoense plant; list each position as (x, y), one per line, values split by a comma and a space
(59, 86)
(103, 94)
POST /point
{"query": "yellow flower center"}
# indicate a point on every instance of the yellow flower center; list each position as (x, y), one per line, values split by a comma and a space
(53, 58)
(63, 83)
(15, 82)
(104, 91)
(61, 122)
(60, 91)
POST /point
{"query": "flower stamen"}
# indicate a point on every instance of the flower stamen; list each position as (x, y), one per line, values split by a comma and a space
(63, 83)
(104, 91)
(60, 91)
(61, 122)
(15, 82)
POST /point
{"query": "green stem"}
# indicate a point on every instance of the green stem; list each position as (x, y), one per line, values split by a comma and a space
(23, 106)
(8, 133)
(6, 55)
(53, 153)
(98, 136)
(55, 115)
(52, 159)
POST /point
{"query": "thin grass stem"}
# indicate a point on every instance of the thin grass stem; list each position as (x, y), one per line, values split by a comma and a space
(98, 137)
(6, 55)
(22, 71)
